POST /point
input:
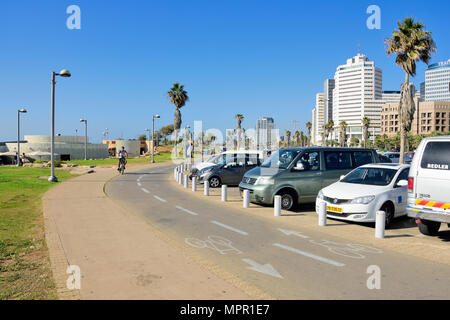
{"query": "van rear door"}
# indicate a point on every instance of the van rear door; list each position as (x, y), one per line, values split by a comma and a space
(433, 172)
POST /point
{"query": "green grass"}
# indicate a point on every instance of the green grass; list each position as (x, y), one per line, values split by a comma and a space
(165, 156)
(24, 264)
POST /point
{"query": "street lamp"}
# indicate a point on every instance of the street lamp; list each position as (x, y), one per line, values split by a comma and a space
(157, 116)
(65, 74)
(18, 133)
(85, 137)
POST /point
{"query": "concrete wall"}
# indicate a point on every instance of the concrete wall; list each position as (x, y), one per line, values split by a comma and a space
(133, 147)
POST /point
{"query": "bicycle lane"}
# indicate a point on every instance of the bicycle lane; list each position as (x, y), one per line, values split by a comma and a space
(287, 264)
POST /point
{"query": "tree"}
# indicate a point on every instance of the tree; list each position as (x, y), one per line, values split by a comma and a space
(297, 138)
(239, 117)
(142, 137)
(308, 127)
(343, 133)
(288, 138)
(302, 139)
(354, 142)
(178, 97)
(329, 128)
(410, 43)
(365, 129)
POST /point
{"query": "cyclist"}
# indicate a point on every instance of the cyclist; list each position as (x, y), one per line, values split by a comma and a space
(123, 154)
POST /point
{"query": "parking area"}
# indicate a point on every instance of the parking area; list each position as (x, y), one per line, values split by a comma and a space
(402, 236)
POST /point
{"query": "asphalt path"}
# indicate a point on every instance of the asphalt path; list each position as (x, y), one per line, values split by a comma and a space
(286, 263)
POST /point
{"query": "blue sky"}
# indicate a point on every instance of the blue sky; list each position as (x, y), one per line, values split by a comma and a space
(258, 58)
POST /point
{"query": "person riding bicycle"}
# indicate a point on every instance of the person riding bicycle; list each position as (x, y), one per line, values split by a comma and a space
(123, 154)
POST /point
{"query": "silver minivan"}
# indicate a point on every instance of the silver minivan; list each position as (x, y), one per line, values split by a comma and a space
(429, 185)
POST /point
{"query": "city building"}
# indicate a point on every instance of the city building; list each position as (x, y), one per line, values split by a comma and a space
(328, 88)
(66, 148)
(264, 133)
(429, 117)
(390, 97)
(319, 117)
(358, 94)
(437, 82)
(422, 91)
(137, 148)
(313, 127)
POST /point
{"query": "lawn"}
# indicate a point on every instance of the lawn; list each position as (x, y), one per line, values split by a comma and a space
(164, 156)
(24, 263)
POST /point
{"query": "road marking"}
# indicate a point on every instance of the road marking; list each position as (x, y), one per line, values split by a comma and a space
(160, 199)
(295, 233)
(309, 255)
(229, 228)
(186, 210)
(139, 184)
(263, 268)
(145, 190)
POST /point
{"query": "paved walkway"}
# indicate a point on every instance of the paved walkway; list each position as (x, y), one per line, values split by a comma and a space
(119, 255)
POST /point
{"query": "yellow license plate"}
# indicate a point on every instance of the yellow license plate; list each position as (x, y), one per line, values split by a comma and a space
(334, 209)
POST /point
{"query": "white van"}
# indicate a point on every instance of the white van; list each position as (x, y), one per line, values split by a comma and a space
(429, 185)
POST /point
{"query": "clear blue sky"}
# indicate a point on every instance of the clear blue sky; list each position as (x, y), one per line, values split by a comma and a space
(258, 58)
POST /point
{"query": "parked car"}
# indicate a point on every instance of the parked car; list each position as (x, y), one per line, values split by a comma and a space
(365, 190)
(231, 171)
(429, 185)
(384, 159)
(298, 174)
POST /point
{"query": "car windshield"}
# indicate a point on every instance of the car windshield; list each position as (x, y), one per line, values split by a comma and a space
(280, 159)
(216, 159)
(371, 176)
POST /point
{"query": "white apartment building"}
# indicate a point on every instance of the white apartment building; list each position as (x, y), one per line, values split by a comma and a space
(313, 127)
(437, 82)
(358, 94)
(264, 133)
(390, 97)
(319, 117)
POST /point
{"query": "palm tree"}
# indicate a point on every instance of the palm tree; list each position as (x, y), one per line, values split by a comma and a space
(297, 138)
(365, 130)
(302, 139)
(343, 133)
(178, 97)
(288, 137)
(309, 126)
(410, 43)
(239, 118)
(329, 128)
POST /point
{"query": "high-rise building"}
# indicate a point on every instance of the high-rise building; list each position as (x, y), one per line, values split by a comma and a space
(390, 97)
(358, 94)
(264, 133)
(437, 82)
(313, 128)
(422, 91)
(328, 88)
(320, 117)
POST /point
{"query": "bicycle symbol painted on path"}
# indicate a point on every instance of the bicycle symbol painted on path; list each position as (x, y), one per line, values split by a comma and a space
(216, 243)
(349, 250)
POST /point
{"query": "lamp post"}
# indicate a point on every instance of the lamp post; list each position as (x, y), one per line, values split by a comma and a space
(65, 74)
(157, 116)
(85, 138)
(18, 134)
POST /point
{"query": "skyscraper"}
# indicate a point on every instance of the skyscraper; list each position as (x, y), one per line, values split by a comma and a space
(358, 94)
(437, 82)
(328, 88)
(264, 133)
(320, 117)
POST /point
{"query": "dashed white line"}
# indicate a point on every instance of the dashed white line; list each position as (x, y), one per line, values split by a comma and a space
(139, 184)
(186, 210)
(145, 190)
(229, 228)
(160, 199)
(309, 255)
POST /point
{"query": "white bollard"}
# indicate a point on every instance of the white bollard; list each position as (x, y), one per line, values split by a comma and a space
(175, 172)
(186, 181)
(206, 188)
(277, 206)
(380, 224)
(194, 184)
(224, 193)
(322, 214)
(246, 199)
(180, 178)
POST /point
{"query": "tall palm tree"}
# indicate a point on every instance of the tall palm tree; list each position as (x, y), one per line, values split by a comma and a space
(302, 139)
(297, 138)
(309, 126)
(288, 137)
(178, 97)
(365, 129)
(410, 43)
(329, 128)
(343, 133)
(239, 117)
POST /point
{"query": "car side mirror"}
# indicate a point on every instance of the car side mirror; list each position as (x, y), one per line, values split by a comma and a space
(402, 183)
(299, 166)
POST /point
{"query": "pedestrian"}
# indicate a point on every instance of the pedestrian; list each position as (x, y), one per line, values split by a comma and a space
(22, 159)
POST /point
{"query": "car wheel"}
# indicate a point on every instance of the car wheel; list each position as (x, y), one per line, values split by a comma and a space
(389, 210)
(288, 200)
(429, 228)
(214, 182)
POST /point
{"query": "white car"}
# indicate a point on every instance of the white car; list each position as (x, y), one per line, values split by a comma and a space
(365, 190)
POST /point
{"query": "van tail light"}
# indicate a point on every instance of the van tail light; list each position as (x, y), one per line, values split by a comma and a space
(410, 184)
